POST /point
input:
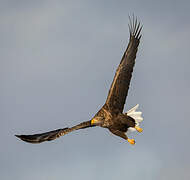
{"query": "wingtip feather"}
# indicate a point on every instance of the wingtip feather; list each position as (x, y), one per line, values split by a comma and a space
(134, 27)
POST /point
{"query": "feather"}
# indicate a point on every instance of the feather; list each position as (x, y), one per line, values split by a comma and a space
(51, 135)
(136, 115)
(120, 85)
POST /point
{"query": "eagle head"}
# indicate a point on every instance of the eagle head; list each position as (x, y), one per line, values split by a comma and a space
(97, 121)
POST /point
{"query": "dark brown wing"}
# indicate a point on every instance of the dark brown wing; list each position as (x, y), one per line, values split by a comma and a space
(51, 135)
(120, 85)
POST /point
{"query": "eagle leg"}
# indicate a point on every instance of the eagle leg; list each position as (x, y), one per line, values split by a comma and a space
(122, 135)
(138, 129)
(131, 141)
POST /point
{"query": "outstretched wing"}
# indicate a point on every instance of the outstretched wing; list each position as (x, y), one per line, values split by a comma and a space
(51, 135)
(120, 85)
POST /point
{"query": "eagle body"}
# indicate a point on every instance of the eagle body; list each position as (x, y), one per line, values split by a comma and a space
(122, 123)
(111, 115)
(113, 121)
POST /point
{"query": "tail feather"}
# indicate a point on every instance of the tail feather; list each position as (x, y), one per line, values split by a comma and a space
(137, 115)
(133, 109)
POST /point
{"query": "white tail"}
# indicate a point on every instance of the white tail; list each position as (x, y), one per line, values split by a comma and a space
(136, 115)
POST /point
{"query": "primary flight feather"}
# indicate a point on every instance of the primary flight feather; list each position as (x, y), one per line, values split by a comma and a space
(111, 115)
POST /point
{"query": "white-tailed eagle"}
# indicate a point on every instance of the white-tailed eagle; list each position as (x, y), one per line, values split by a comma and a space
(111, 115)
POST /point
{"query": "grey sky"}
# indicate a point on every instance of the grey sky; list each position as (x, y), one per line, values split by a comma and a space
(57, 62)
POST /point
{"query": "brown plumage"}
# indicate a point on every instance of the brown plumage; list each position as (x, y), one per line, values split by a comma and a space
(51, 135)
(111, 115)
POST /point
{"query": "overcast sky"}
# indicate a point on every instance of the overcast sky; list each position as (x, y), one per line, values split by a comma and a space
(57, 61)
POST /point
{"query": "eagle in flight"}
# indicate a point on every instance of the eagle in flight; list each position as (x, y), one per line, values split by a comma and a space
(111, 115)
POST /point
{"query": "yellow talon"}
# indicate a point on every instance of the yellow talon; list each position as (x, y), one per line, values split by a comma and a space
(131, 141)
(138, 129)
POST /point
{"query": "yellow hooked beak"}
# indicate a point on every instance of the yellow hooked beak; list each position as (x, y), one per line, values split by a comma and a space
(94, 121)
